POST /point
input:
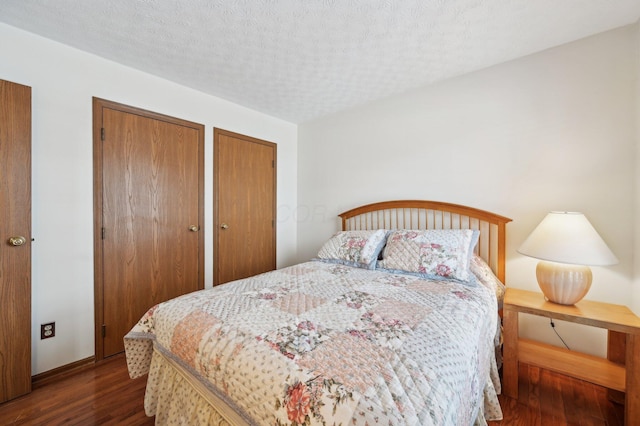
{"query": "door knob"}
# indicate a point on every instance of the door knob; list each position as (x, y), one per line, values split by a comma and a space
(194, 228)
(17, 241)
(224, 226)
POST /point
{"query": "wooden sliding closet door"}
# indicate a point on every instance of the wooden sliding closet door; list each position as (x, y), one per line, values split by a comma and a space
(149, 172)
(245, 206)
(15, 240)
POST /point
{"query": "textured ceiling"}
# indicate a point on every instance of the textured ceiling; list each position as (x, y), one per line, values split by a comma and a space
(302, 59)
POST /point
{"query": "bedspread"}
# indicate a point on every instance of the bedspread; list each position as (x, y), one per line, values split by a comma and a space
(320, 343)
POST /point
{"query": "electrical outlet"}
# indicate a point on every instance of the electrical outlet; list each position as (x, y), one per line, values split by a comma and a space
(47, 330)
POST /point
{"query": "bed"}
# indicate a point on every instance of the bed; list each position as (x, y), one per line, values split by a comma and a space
(395, 323)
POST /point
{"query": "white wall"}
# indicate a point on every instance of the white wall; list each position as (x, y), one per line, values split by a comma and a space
(636, 257)
(552, 131)
(63, 82)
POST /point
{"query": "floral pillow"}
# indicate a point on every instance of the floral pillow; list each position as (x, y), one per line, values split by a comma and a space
(486, 277)
(433, 253)
(354, 248)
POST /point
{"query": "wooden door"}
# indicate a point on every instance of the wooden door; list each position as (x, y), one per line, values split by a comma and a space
(245, 206)
(149, 177)
(15, 240)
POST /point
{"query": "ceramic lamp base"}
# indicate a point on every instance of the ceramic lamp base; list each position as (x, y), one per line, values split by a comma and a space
(562, 283)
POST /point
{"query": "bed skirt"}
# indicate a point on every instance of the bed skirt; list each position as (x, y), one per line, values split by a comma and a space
(173, 396)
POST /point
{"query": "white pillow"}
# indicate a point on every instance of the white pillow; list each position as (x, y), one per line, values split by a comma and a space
(432, 253)
(354, 248)
(487, 278)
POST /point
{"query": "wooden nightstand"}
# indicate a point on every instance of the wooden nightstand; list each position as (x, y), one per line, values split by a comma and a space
(618, 319)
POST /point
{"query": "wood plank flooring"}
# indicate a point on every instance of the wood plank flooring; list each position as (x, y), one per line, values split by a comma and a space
(104, 395)
(550, 399)
(100, 395)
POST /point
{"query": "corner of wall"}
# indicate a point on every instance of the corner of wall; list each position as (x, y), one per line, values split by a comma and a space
(635, 306)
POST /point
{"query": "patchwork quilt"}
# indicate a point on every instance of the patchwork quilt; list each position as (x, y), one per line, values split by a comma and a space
(322, 343)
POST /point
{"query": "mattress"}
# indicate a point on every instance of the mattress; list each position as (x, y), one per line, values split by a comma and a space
(322, 343)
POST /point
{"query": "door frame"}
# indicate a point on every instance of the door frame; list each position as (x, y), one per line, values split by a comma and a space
(217, 132)
(98, 105)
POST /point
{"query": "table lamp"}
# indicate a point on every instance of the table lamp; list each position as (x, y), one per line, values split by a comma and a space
(566, 244)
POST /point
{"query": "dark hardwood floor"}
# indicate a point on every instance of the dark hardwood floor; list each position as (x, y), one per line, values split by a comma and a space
(100, 395)
(550, 399)
(104, 395)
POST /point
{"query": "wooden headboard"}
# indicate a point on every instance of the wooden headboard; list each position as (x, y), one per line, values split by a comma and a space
(419, 214)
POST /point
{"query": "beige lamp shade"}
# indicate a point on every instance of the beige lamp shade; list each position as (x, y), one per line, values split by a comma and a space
(567, 244)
